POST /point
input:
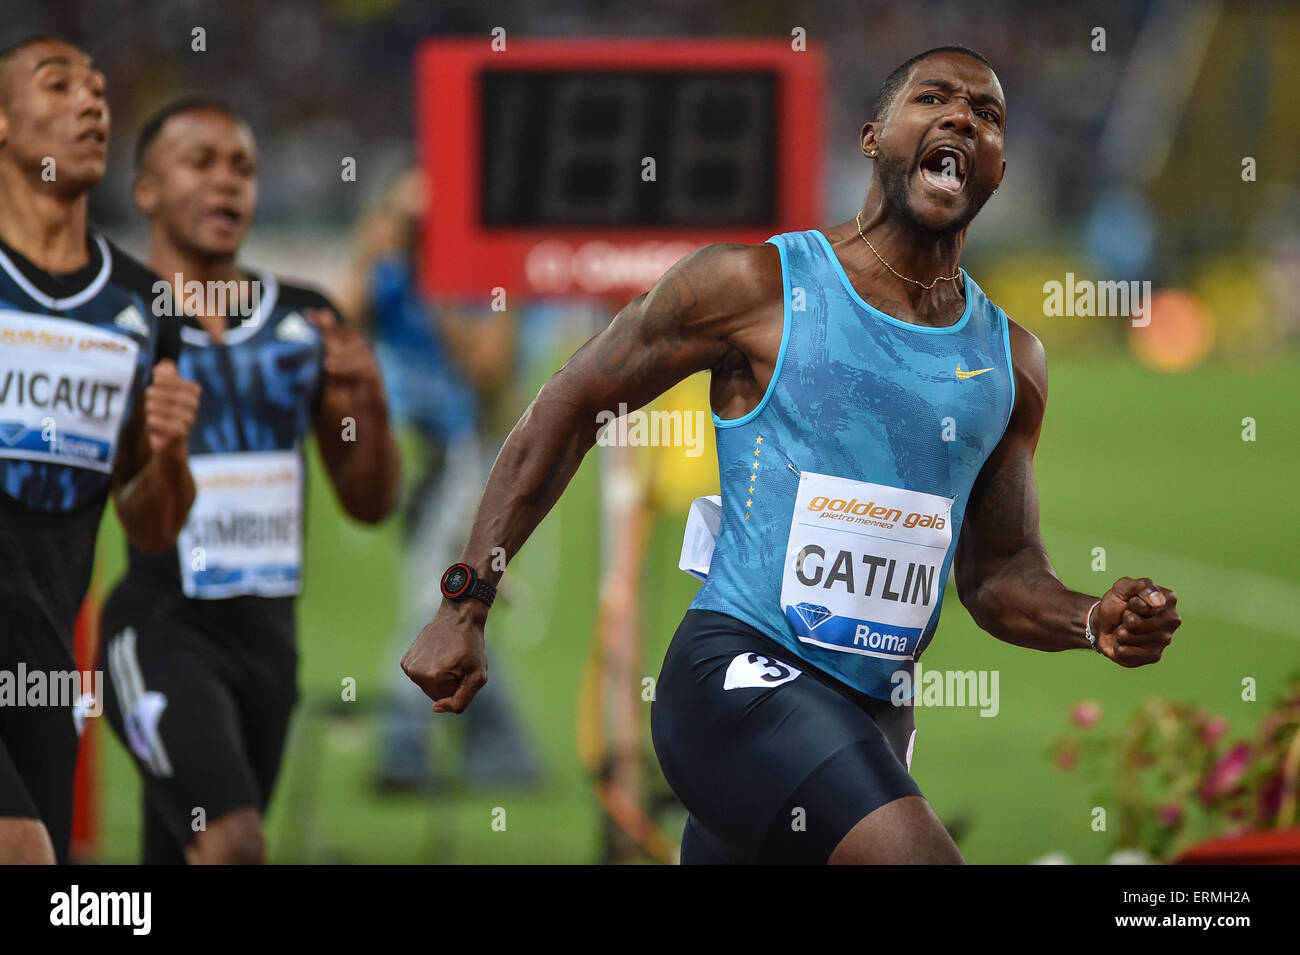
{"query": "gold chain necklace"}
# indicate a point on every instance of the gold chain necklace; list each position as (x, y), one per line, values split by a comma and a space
(941, 278)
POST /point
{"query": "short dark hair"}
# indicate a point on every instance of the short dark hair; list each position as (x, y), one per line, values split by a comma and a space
(895, 80)
(15, 48)
(186, 104)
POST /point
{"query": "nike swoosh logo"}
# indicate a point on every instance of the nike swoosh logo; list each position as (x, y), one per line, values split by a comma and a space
(970, 374)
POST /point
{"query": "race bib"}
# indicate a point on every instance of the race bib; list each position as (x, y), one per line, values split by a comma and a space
(863, 566)
(701, 535)
(244, 533)
(64, 388)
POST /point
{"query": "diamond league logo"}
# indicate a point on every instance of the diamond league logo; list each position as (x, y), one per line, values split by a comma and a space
(814, 615)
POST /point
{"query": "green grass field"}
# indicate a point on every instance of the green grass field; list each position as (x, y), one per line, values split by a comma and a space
(1151, 467)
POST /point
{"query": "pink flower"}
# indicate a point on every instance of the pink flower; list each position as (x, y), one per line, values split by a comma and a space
(1213, 730)
(1170, 815)
(1225, 775)
(1085, 713)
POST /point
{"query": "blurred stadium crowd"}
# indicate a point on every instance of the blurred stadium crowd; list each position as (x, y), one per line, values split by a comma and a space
(319, 78)
(1105, 146)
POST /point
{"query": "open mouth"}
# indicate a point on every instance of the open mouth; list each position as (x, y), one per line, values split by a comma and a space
(225, 216)
(94, 137)
(944, 168)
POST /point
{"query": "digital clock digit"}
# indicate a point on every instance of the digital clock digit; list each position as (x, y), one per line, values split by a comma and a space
(645, 148)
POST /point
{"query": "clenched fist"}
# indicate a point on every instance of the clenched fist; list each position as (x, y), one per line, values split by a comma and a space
(349, 363)
(1135, 621)
(448, 660)
(170, 406)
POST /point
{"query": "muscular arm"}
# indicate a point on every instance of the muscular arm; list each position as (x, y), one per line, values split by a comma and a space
(351, 423)
(363, 461)
(1003, 574)
(681, 326)
(1002, 570)
(692, 320)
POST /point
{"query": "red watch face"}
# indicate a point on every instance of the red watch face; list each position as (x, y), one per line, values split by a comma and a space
(456, 581)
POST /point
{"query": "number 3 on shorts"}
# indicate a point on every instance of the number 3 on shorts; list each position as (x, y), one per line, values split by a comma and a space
(754, 669)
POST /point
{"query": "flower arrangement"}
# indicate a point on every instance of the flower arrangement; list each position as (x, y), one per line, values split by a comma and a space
(1178, 780)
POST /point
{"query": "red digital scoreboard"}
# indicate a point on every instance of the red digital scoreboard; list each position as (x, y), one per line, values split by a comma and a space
(588, 167)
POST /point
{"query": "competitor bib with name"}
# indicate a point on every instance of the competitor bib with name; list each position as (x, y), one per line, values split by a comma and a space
(64, 389)
(864, 563)
(244, 532)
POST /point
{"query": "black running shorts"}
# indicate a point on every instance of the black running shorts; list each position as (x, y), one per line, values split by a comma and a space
(774, 760)
(203, 706)
(38, 735)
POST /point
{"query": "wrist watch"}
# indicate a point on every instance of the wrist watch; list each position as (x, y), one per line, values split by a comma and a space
(460, 582)
(1087, 627)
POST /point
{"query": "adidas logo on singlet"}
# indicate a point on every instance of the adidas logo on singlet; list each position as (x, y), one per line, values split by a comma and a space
(293, 328)
(130, 320)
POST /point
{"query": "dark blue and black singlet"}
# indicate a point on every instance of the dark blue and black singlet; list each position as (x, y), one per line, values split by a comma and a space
(76, 353)
(199, 649)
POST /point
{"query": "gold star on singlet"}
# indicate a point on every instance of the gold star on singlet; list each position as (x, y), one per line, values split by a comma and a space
(753, 477)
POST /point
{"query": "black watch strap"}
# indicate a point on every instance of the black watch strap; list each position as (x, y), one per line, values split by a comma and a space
(482, 590)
